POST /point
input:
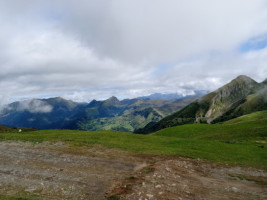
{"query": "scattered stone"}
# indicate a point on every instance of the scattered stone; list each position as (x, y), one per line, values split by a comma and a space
(30, 189)
(168, 169)
(234, 189)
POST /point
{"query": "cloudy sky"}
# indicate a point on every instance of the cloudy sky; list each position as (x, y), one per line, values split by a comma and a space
(93, 49)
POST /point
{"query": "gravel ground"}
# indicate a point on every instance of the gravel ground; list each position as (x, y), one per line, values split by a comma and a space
(57, 171)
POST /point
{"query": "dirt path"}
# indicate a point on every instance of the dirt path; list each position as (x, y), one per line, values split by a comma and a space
(56, 171)
(187, 179)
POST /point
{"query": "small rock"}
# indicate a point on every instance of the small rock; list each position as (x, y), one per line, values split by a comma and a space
(30, 189)
(173, 184)
(150, 196)
(158, 186)
(168, 169)
(234, 189)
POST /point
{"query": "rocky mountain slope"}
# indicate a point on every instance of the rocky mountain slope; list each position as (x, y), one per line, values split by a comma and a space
(241, 96)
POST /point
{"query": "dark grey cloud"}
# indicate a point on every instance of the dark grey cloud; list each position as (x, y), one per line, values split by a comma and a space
(89, 49)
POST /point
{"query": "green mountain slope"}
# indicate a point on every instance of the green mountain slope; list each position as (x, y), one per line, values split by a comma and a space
(5, 129)
(126, 115)
(241, 96)
(249, 127)
(128, 121)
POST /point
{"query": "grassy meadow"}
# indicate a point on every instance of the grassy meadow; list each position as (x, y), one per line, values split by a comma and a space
(241, 141)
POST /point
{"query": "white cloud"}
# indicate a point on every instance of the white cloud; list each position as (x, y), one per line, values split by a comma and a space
(34, 106)
(94, 49)
(161, 30)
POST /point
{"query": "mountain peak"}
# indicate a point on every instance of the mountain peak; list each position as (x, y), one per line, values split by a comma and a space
(57, 99)
(112, 100)
(244, 78)
(239, 82)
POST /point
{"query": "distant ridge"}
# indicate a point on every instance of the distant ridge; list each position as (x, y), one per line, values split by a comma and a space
(110, 114)
(173, 96)
(241, 96)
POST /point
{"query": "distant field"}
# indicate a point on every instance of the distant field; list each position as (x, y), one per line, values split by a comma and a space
(241, 141)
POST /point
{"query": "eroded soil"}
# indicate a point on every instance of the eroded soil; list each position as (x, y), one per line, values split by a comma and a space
(58, 171)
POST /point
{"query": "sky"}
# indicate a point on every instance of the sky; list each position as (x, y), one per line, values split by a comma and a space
(93, 49)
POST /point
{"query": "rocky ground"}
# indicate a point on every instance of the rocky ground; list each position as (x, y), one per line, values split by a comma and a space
(58, 171)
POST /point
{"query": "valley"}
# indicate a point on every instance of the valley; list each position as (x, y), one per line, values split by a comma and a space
(111, 114)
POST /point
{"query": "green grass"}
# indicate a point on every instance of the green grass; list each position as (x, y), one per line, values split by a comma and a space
(20, 196)
(114, 197)
(232, 142)
(246, 128)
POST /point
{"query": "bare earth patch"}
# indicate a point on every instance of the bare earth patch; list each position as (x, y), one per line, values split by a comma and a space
(57, 171)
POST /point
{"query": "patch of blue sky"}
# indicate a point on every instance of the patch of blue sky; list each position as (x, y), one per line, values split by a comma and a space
(195, 58)
(162, 68)
(51, 14)
(254, 44)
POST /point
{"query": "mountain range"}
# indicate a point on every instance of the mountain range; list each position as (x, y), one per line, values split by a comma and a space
(142, 115)
(241, 96)
(111, 114)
